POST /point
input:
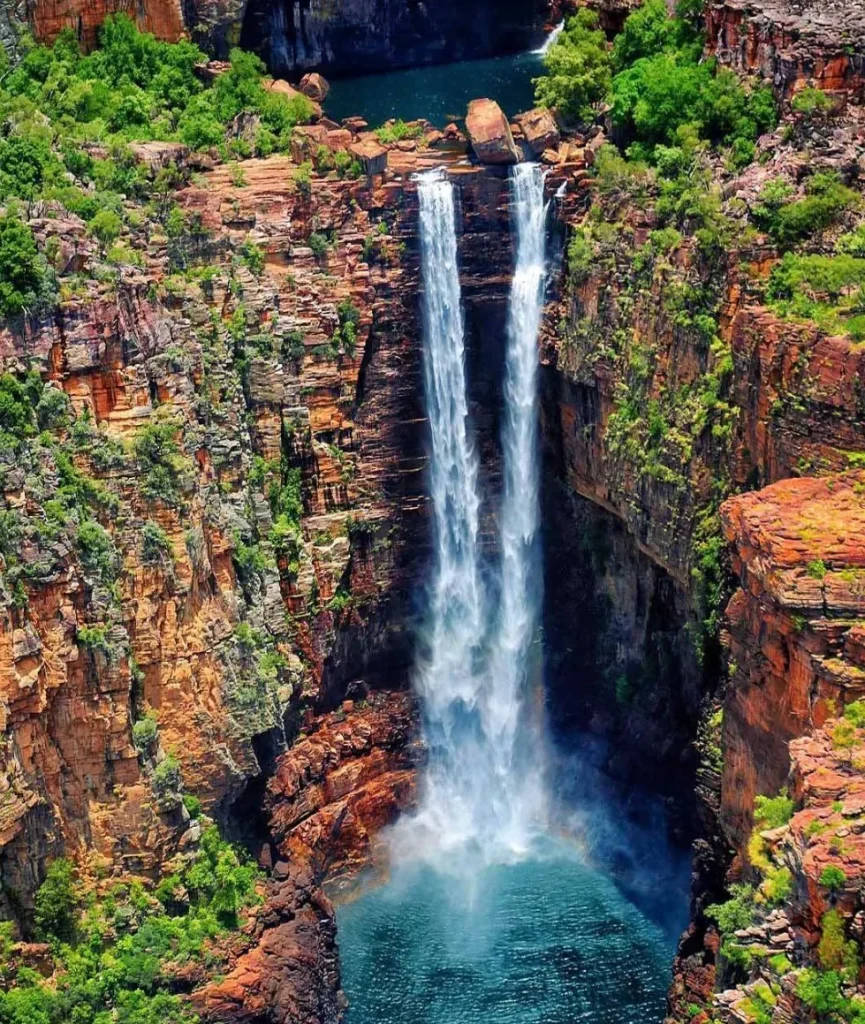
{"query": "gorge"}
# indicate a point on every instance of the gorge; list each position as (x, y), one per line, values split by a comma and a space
(425, 544)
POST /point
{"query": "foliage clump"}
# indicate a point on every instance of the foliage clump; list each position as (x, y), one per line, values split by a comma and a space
(657, 82)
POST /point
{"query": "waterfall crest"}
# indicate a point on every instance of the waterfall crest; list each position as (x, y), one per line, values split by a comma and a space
(482, 790)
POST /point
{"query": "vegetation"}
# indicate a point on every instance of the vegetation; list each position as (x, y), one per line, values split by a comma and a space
(132, 88)
(114, 953)
(162, 466)
(790, 221)
(396, 131)
(25, 280)
(657, 82)
(578, 69)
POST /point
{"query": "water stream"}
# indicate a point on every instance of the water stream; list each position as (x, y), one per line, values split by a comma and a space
(486, 914)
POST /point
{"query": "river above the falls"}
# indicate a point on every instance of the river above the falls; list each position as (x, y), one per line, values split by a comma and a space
(440, 93)
(544, 940)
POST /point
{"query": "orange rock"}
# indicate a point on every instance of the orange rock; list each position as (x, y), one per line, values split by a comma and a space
(490, 134)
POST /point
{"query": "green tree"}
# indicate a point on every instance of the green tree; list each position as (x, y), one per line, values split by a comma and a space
(578, 69)
(106, 226)
(57, 902)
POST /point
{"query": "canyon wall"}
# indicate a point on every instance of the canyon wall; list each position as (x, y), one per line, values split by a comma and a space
(791, 44)
(343, 37)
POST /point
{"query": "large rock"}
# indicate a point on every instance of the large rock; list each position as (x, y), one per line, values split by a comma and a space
(371, 154)
(490, 134)
(540, 129)
(315, 86)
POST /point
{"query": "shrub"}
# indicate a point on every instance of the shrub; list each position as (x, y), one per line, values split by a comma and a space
(398, 130)
(106, 226)
(159, 459)
(192, 805)
(303, 179)
(155, 545)
(816, 569)
(52, 409)
(16, 410)
(777, 886)
(96, 551)
(344, 338)
(855, 713)
(581, 255)
(167, 780)
(832, 878)
(253, 256)
(820, 277)
(57, 902)
(578, 69)
(95, 638)
(144, 732)
(318, 243)
(811, 101)
(821, 990)
(825, 200)
(737, 913)
(772, 812)
(835, 952)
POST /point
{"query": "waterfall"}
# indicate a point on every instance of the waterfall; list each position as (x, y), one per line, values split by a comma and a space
(514, 731)
(545, 48)
(481, 789)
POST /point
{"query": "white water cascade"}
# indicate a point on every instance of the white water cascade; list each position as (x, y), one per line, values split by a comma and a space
(482, 795)
(547, 44)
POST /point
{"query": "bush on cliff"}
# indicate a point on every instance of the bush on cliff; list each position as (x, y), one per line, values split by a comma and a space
(657, 81)
(790, 221)
(57, 903)
(577, 69)
(133, 87)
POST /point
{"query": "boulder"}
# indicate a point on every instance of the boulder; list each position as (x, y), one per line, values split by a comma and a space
(371, 154)
(490, 134)
(593, 147)
(285, 89)
(315, 86)
(281, 86)
(540, 130)
(157, 155)
(305, 141)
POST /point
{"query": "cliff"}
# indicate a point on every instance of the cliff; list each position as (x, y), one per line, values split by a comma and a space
(345, 37)
(791, 44)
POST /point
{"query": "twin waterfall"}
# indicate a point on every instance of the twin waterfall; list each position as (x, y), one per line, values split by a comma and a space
(483, 789)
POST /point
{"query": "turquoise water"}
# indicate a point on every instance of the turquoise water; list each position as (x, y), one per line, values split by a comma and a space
(543, 941)
(440, 94)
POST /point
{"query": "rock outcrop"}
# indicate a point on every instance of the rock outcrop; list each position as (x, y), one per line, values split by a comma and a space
(330, 795)
(490, 134)
(792, 45)
(795, 638)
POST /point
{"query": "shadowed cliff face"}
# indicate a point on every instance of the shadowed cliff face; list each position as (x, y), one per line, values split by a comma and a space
(370, 35)
(341, 36)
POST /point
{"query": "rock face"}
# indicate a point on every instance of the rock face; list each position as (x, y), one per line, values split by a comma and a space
(330, 795)
(47, 18)
(792, 44)
(490, 134)
(795, 640)
(346, 35)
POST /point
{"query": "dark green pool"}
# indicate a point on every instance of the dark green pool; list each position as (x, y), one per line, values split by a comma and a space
(439, 94)
(546, 940)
